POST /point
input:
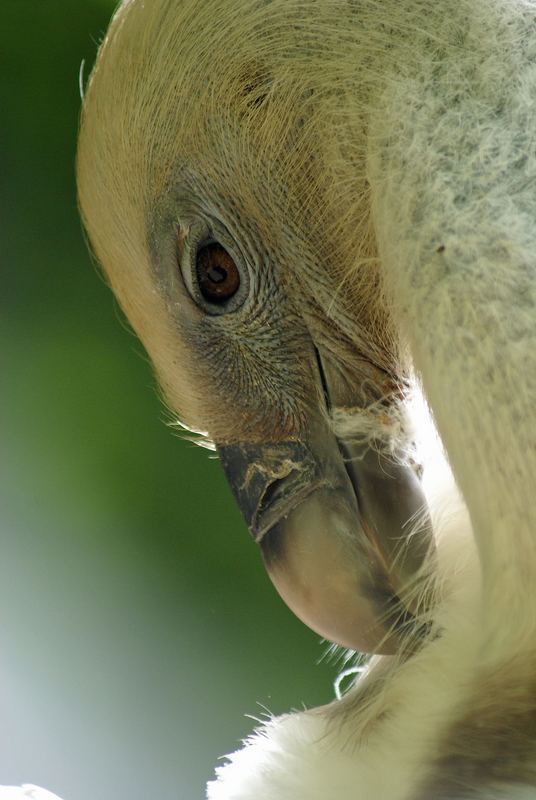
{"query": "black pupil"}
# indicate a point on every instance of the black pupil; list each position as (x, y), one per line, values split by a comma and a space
(217, 273)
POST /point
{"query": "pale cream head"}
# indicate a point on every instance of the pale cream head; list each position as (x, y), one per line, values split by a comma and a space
(220, 130)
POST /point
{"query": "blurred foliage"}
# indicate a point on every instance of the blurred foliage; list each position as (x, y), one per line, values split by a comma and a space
(137, 624)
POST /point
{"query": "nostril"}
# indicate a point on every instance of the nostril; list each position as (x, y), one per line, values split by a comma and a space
(280, 497)
(268, 479)
(277, 491)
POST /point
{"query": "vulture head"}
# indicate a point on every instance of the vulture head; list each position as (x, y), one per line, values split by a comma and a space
(224, 188)
(298, 205)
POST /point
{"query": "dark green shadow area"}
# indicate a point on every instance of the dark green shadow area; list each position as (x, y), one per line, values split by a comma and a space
(137, 626)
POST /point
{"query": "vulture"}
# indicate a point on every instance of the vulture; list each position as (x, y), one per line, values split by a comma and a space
(319, 216)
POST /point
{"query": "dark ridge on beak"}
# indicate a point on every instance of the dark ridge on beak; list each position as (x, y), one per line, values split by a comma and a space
(268, 480)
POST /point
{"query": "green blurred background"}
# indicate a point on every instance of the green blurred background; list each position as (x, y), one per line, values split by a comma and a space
(137, 626)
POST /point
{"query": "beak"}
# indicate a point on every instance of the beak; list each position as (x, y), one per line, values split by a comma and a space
(331, 523)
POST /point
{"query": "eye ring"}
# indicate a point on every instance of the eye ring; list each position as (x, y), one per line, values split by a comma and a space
(212, 267)
(217, 275)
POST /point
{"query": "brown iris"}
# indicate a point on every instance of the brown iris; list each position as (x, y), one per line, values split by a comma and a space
(217, 275)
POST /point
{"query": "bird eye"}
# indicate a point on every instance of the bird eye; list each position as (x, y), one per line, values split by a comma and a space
(218, 277)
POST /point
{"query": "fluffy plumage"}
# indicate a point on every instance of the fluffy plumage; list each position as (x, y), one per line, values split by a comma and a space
(26, 792)
(373, 163)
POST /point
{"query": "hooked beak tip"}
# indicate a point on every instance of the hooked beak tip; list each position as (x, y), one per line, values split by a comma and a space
(331, 536)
